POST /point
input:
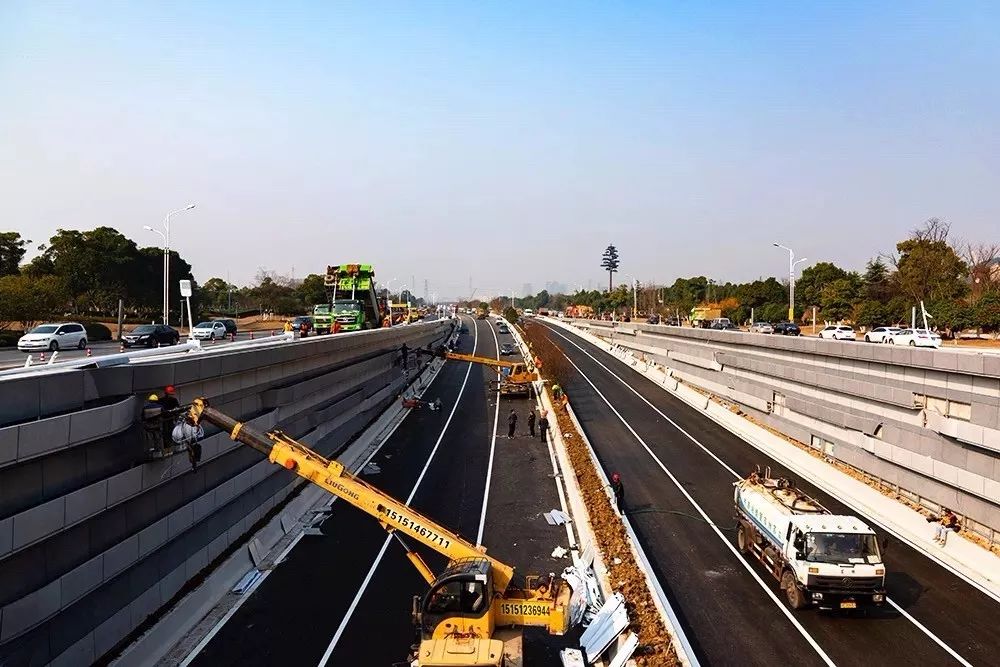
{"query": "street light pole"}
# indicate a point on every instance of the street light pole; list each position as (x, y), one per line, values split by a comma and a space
(166, 263)
(792, 263)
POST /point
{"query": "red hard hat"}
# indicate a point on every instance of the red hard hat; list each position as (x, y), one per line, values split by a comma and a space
(615, 477)
(169, 389)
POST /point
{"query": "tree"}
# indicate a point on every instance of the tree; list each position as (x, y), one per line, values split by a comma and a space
(810, 284)
(929, 270)
(987, 313)
(869, 314)
(510, 314)
(29, 300)
(12, 249)
(610, 263)
(312, 290)
(947, 316)
(837, 299)
(876, 285)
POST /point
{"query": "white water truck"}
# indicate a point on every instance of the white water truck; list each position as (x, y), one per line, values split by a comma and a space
(828, 560)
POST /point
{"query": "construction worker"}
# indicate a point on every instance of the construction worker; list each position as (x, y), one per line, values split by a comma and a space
(556, 392)
(531, 423)
(511, 424)
(169, 405)
(152, 424)
(336, 327)
(169, 400)
(618, 489)
(288, 326)
(543, 426)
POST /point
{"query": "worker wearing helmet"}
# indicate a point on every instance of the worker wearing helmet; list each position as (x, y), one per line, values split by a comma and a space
(152, 423)
(618, 489)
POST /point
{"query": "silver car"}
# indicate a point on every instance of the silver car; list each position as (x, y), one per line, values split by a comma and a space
(761, 327)
(54, 337)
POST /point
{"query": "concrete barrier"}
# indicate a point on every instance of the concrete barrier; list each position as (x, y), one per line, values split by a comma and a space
(94, 537)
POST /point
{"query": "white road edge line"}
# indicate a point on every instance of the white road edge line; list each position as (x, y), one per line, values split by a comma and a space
(493, 443)
(378, 559)
(189, 658)
(920, 626)
(767, 590)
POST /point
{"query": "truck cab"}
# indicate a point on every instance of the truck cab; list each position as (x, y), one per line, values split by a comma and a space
(350, 314)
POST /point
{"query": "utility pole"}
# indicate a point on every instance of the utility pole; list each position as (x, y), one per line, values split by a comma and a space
(791, 279)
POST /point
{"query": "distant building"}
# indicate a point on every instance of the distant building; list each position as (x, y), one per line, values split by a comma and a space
(553, 287)
(527, 290)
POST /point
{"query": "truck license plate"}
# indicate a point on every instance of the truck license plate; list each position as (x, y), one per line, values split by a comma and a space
(848, 604)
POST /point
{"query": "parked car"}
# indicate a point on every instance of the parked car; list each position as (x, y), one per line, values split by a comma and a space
(300, 321)
(725, 326)
(787, 329)
(916, 338)
(653, 319)
(503, 329)
(761, 327)
(838, 332)
(720, 323)
(213, 330)
(54, 337)
(151, 335)
(881, 334)
(507, 349)
(230, 325)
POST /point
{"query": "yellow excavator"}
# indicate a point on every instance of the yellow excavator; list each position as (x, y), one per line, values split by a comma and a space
(516, 376)
(471, 615)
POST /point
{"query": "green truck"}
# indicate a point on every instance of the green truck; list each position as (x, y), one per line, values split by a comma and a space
(351, 299)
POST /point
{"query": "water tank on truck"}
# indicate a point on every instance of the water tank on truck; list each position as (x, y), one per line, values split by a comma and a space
(828, 560)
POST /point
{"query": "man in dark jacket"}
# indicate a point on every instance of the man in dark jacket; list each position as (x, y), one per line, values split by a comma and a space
(543, 426)
(511, 424)
(618, 489)
(531, 423)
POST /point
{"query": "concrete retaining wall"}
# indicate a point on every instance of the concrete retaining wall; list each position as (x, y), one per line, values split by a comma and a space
(94, 537)
(927, 421)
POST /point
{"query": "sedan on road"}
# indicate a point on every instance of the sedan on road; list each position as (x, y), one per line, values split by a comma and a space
(54, 337)
(507, 349)
(838, 332)
(787, 329)
(151, 335)
(916, 338)
(761, 327)
(209, 331)
(881, 334)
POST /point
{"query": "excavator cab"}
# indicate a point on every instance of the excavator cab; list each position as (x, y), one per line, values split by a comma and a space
(455, 618)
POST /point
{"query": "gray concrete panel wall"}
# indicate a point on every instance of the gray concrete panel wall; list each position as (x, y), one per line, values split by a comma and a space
(90, 543)
(927, 420)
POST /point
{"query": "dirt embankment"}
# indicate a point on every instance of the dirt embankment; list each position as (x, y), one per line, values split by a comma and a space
(655, 647)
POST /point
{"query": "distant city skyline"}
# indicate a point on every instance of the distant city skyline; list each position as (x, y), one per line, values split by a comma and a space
(443, 140)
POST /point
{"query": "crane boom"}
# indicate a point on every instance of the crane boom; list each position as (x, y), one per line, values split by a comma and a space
(335, 478)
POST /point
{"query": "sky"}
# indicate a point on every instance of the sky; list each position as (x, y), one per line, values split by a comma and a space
(503, 143)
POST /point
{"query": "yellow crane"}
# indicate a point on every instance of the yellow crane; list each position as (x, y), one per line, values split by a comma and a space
(517, 376)
(464, 613)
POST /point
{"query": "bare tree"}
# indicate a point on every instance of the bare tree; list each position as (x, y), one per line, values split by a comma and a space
(983, 259)
(934, 229)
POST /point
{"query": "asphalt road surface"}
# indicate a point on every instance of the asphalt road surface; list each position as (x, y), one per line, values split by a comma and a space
(679, 467)
(344, 598)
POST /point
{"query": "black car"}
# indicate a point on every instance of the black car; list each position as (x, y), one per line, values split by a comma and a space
(299, 322)
(787, 329)
(230, 325)
(724, 326)
(503, 329)
(507, 349)
(151, 335)
(653, 319)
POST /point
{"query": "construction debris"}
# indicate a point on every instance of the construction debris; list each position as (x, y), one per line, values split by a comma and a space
(556, 517)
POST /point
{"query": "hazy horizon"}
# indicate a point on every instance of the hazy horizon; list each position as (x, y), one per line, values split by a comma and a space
(444, 141)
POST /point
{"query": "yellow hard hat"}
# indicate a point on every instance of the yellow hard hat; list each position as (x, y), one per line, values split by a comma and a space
(153, 397)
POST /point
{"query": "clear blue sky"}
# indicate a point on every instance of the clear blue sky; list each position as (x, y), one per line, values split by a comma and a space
(510, 142)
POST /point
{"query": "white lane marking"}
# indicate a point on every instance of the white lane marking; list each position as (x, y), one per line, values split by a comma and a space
(930, 634)
(767, 589)
(920, 626)
(295, 540)
(378, 559)
(493, 444)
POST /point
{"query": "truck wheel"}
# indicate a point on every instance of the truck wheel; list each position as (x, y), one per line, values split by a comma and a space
(743, 539)
(796, 599)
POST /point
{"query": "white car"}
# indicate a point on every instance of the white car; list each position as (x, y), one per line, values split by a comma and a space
(838, 332)
(54, 337)
(881, 334)
(209, 331)
(761, 327)
(916, 338)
